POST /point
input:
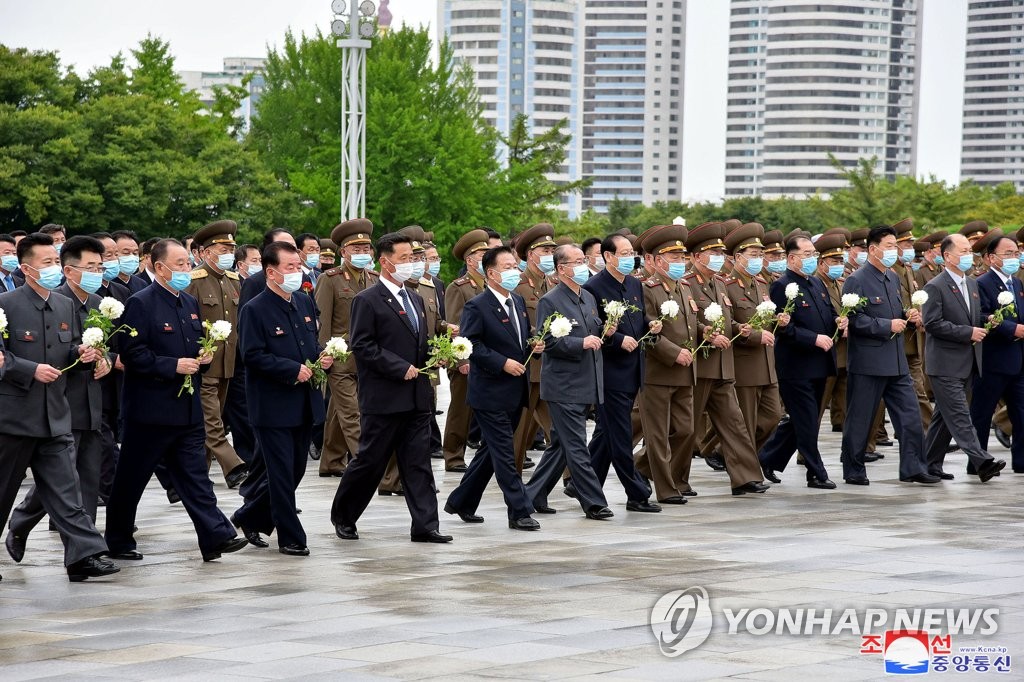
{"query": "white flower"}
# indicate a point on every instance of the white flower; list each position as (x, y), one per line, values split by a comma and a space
(111, 308)
(1005, 298)
(336, 347)
(713, 313)
(919, 298)
(92, 337)
(560, 326)
(614, 309)
(851, 300)
(792, 291)
(3, 320)
(220, 330)
(462, 348)
(765, 309)
(670, 309)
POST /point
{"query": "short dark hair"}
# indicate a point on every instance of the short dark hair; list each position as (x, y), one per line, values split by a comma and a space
(386, 243)
(792, 245)
(242, 252)
(30, 241)
(117, 235)
(159, 251)
(304, 237)
(991, 247)
(272, 254)
(52, 228)
(147, 246)
(561, 252)
(878, 233)
(270, 235)
(590, 241)
(101, 235)
(608, 245)
(8, 239)
(491, 233)
(946, 244)
(18, 233)
(490, 257)
(75, 246)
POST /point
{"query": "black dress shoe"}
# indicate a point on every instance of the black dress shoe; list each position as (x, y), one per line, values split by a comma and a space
(346, 531)
(458, 468)
(871, 457)
(886, 443)
(599, 513)
(689, 493)
(769, 475)
(437, 454)
(328, 474)
(525, 523)
(990, 468)
(1003, 437)
(172, 496)
(543, 509)
(674, 499)
(468, 518)
(314, 452)
(715, 461)
(386, 493)
(942, 475)
(642, 506)
(952, 447)
(751, 487)
(236, 476)
(254, 539)
(857, 481)
(126, 555)
(815, 482)
(528, 463)
(538, 445)
(294, 550)
(432, 536)
(920, 478)
(15, 546)
(473, 444)
(227, 547)
(90, 567)
(570, 490)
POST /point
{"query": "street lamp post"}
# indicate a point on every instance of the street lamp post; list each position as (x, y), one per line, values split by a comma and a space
(353, 33)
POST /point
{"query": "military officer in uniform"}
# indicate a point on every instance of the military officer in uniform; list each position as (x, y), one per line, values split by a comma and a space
(217, 288)
(831, 268)
(913, 337)
(715, 390)
(933, 261)
(328, 253)
(536, 246)
(468, 249)
(858, 253)
(774, 256)
(334, 292)
(975, 230)
(757, 386)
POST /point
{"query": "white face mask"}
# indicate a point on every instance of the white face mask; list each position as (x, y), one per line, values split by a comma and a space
(403, 271)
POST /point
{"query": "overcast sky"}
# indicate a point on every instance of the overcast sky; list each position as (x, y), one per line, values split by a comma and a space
(202, 32)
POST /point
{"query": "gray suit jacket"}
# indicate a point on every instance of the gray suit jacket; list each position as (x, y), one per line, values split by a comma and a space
(948, 350)
(39, 332)
(871, 348)
(570, 374)
(85, 394)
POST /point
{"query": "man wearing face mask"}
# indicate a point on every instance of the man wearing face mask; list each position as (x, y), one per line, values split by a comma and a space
(127, 244)
(933, 260)
(715, 390)
(469, 249)
(592, 250)
(36, 428)
(757, 386)
(774, 256)
(857, 255)
(831, 259)
(536, 246)
(247, 261)
(8, 263)
(975, 230)
(877, 365)
(308, 245)
(334, 293)
(82, 261)
(328, 252)
(163, 422)
(913, 338)
(217, 289)
(389, 341)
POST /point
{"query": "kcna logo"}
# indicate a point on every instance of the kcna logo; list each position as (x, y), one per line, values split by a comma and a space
(681, 620)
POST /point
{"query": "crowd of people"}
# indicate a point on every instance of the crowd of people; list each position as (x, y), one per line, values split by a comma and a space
(724, 343)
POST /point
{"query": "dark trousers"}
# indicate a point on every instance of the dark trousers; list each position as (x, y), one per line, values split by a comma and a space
(989, 388)
(612, 443)
(56, 483)
(182, 449)
(863, 391)
(274, 476)
(802, 400)
(407, 436)
(496, 457)
(568, 448)
(236, 416)
(951, 418)
(87, 454)
(109, 451)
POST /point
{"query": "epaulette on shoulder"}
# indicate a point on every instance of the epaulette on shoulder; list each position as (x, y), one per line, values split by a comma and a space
(199, 274)
(372, 273)
(652, 282)
(690, 275)
(761, 279)
(231, 274)
(723, 278)
(726, 280)
(462, 280)
(424, 282)
(333, 271)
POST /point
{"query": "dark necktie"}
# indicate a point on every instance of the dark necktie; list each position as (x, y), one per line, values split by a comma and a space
(410, 311)
(515, 322)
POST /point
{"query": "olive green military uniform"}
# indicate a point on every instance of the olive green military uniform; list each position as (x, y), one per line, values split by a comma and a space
(913, 338)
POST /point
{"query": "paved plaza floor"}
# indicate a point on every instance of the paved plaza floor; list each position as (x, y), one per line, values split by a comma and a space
(572, 601)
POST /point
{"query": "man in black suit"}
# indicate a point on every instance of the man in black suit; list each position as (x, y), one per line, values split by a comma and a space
(128, 260)
(804, 359)
(624, 368)
(495, 321)
(389, 340)
(277, 336)
(8, 262)
(877, 365)
(163, 423)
